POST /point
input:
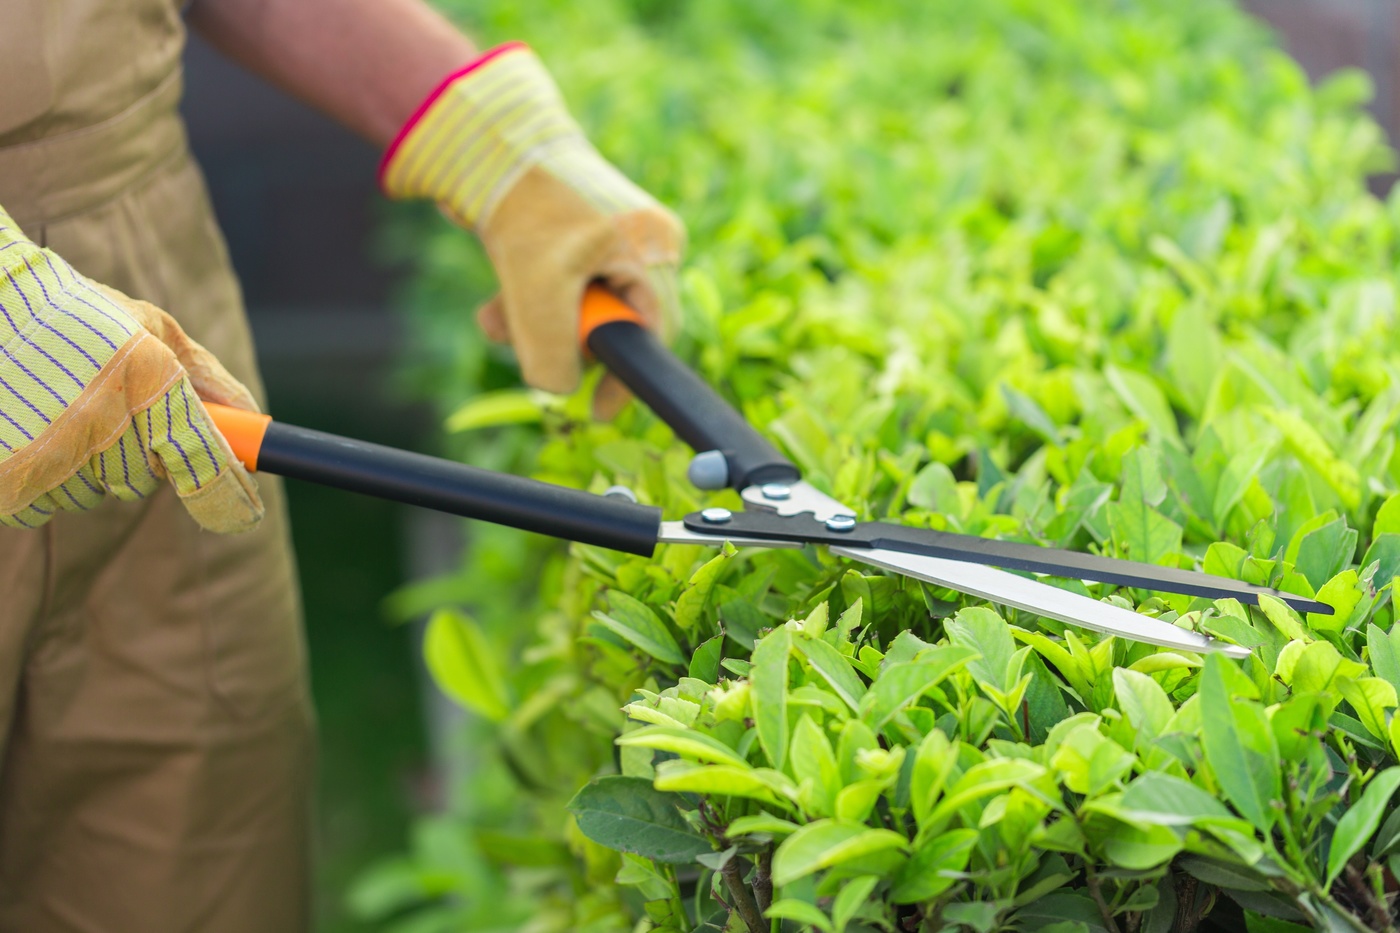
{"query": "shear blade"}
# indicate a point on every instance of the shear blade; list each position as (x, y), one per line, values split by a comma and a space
(1007, 589)
(800, 518)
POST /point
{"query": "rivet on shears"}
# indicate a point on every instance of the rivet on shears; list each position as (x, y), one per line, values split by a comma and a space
(778, 492)
(716, 516)
(840, 523)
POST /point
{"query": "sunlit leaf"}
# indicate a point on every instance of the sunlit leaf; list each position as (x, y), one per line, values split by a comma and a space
(1359, 823)
(1145, 400)
(1239, 746)
(901, 684)
(762, 784)
(770, 693)
(835, 669)
(494, 409)
(634, 621)
(465, 664)
(825, 843)
(686, 742)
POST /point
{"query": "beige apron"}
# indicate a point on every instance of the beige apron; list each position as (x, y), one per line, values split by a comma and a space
(155, 728)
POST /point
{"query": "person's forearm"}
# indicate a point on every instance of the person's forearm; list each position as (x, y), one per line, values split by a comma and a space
(367, 63)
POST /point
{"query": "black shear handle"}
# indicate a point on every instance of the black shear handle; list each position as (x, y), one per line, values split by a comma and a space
(403, 476)
(613, 333)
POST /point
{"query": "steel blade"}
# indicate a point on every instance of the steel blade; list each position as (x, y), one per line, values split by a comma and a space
(1078, 565)
(1008, 589)
(995, 552)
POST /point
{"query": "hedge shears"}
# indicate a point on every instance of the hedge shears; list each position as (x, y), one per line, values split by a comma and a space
(781, 509)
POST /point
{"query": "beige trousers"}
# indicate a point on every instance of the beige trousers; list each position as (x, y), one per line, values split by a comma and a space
(155, 727)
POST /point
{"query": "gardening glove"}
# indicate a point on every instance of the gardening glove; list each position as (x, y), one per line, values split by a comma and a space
(498, 151)
(100, 394)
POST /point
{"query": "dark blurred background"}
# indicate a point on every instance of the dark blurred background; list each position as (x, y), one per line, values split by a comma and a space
(296, 197)
(1324, 35)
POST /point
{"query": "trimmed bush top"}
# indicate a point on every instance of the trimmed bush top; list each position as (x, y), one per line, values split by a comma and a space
(1101, 275)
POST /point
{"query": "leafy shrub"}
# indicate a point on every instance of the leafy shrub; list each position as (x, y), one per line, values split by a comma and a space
(1102, 275)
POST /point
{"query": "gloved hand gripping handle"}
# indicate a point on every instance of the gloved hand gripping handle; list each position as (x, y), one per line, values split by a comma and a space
(614, 334)
(502, 498)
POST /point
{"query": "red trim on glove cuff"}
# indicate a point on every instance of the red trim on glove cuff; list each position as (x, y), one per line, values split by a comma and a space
(431, 99)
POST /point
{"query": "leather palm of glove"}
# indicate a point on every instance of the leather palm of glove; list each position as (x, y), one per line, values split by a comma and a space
(498, 151)
(100, 395)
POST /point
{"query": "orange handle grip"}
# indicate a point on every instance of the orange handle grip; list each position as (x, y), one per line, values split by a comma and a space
(600, 307)
(244, 431)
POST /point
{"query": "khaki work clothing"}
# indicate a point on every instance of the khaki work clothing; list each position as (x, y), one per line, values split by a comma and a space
(155, 726)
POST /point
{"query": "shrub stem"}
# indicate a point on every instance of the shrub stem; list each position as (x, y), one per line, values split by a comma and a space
(744, 903)
(1091, 881)
(1359, 885)
(763, 880)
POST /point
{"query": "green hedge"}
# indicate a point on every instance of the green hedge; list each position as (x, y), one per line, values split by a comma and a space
(1101, 275)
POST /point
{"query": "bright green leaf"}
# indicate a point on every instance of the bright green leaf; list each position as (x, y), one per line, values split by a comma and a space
(983, 631)
(901, 684)
(633, 620)
(762, 784)
(853, 896)
(835, 669)
(690, 605)
(1142, 397)
(1371, 697)
(1360, 822)
(684, 742)
(1239, 746)
(1143, 701)
(760, 823)
(825, 843)
(464, 664)
(812, 759)
(799, 912)
(769, 680)
(494, 409)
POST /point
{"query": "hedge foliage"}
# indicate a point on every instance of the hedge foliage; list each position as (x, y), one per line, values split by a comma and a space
(1102, 275)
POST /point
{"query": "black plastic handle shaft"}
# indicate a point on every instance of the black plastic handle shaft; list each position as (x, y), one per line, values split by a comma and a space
(687, 403)
(434, 483)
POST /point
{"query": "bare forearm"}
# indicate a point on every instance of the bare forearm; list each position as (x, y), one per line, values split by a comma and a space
(367, 63)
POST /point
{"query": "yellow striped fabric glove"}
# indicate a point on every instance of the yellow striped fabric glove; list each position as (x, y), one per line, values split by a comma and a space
(100, 395)
(496, 148)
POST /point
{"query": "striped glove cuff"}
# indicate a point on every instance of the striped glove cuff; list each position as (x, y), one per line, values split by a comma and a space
(484, 127)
